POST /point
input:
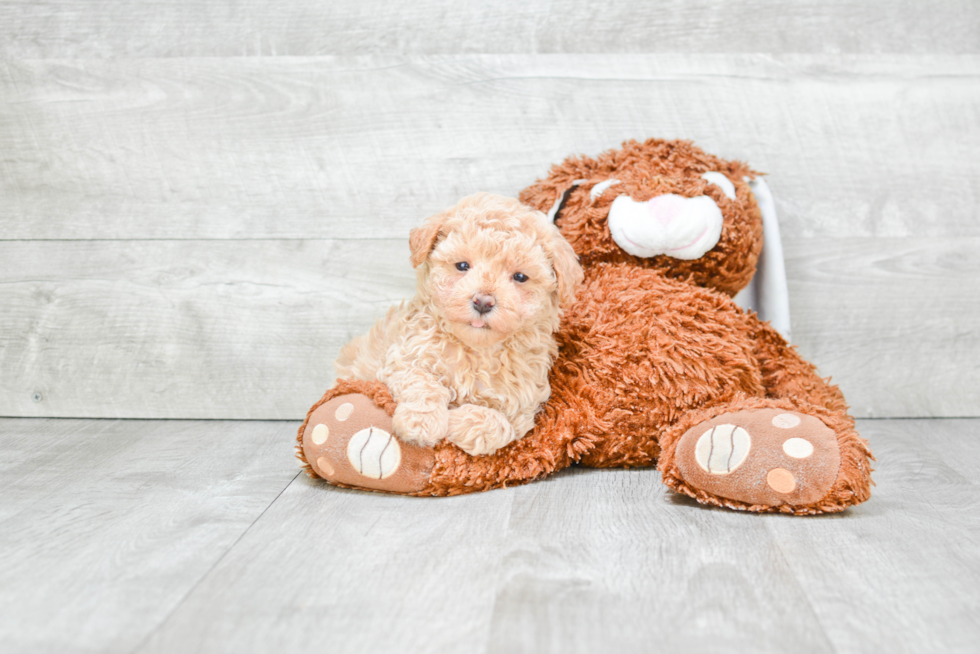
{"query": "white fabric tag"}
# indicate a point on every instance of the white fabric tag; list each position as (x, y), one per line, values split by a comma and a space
(768, 292)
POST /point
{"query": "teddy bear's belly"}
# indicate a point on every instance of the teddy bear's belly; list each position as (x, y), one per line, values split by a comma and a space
(653, 349)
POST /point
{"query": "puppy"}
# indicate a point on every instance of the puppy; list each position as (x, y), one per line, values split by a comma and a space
(468, 357)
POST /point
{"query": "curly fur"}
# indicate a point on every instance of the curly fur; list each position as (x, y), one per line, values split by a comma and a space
(655, 346)
(645, 170)
(478, 379)
(651, 347)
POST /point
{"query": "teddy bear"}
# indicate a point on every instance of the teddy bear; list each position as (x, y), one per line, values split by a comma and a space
(656, 366)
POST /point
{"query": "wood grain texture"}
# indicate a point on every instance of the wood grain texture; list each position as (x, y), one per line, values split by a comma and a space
(875, 578)
(598, 563)
(901, 572)
(249, 329)
(107, 525)
(212, 202)
(200, 329)
(351, 571)
(602, 560)
(366, 147)
(891, 320)
(186, 28)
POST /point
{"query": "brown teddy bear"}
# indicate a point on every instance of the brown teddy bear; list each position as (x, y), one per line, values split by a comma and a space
(657, 364)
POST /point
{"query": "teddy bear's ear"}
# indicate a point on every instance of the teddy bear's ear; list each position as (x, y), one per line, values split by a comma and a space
(564, 262)
(422, 239)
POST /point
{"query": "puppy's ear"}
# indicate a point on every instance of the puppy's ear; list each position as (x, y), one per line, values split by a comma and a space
(422, 239)
(564, 261)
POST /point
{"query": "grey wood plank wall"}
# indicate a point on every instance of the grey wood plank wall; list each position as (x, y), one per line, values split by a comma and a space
(190, 233)
(232, 28)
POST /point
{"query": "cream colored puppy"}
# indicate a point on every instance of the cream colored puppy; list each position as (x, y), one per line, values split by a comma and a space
(468, 357)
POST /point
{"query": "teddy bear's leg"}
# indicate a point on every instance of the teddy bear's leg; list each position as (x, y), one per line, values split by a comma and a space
(348, 440)
(767, 455)
(787, 375)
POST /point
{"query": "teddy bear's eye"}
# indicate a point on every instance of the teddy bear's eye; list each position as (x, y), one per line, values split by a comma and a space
(462, 266)
(520, 277)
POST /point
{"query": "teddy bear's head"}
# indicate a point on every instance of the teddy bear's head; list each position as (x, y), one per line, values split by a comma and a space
(665, 205)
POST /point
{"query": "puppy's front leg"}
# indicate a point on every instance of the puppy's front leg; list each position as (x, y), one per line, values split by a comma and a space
(422, 414)
(479, 430)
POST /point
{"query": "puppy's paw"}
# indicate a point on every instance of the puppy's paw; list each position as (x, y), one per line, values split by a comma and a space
(478, 430)
(425, 428)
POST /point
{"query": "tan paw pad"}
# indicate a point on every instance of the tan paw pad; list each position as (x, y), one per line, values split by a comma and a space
(349, 440)
(760, 457)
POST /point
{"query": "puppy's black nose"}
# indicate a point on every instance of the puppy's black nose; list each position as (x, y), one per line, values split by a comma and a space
(483, 303)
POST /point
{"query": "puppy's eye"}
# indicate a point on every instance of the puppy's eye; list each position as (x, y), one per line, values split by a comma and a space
(462, 266)
(520, 277)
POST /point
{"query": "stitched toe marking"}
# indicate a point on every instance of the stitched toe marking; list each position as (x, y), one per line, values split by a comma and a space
(320, 434)
(374, 453)
(786, 421)
(798, 448)
(326, 470)
(344, 411)
(781, 480)
(722, 449)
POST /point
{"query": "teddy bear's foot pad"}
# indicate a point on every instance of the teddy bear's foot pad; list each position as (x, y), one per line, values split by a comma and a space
(760, 457)
(349, 440)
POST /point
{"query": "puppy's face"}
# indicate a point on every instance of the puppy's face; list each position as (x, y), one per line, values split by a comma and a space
(488, 283)
(492, 268)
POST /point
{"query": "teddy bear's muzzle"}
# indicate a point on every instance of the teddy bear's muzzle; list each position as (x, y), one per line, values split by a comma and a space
(680, 227)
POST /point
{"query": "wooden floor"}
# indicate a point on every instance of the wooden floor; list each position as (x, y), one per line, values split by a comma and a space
(187, 536)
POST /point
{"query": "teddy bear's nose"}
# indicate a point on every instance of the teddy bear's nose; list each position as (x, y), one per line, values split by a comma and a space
(483, 303)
